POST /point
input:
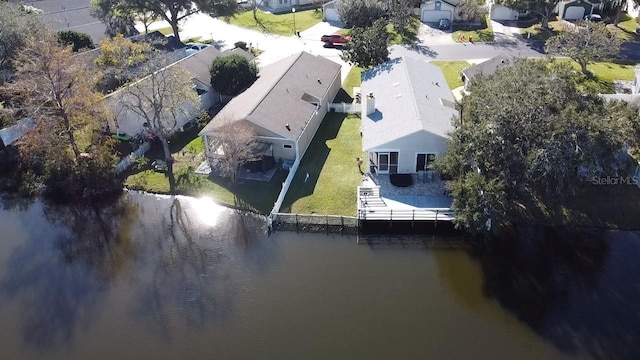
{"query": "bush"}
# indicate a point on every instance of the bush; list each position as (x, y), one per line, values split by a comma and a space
(75, 39)
(240, 44)
(232, 74)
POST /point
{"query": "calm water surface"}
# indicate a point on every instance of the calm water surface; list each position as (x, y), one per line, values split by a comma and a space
(154, 278)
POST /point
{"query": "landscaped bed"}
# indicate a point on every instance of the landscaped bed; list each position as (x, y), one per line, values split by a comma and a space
(479, 33)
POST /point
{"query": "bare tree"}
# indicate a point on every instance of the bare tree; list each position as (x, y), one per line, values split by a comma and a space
(56, 90)
(164, 99)
(232, 146)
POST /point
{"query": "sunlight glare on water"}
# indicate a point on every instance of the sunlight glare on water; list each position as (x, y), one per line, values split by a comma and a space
(207, 210)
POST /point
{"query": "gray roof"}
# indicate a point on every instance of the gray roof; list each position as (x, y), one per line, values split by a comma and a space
(238, 51)
(488, 67)
(14, 132)
(199, 63)
(281, 96)
(410, 96)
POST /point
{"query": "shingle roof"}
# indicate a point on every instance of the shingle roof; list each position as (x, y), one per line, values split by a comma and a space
(238, 51)
(199, 63)
(488, 67)
(410, 95)
(281, 96)
(14, 132)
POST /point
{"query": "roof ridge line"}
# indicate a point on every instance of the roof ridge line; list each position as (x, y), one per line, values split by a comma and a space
(413, 95)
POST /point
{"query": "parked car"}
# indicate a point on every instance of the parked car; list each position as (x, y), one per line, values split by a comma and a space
(444, 24)
(193, 48)
(593, 18)
(335, 39)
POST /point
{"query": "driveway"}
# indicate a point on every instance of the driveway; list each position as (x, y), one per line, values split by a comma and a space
(505, 31)
(428, 35)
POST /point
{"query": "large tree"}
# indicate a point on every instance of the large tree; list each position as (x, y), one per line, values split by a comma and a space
(172, 11)
(162, 99)
(544, 8)
(119, 16)
(585, 42)
(526, 133)
(233, 145)
(57, 91)
(232, 74)
(16, 27)
(360, 13)
(368, 46)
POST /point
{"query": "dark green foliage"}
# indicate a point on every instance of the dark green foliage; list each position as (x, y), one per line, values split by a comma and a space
(368, 46)
(240, 44)
(527, 133)
(232, 74)
(360, 13)
(75, 39)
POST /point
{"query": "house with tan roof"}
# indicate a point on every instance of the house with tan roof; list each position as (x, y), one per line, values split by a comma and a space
(285, 106)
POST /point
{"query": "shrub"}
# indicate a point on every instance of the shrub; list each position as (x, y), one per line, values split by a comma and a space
(241, 44)
(75, 39)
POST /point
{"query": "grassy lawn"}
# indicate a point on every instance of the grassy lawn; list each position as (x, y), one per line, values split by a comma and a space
(451, 70)
(479, 34)
(188, 150)
(626, 29)
(167, 30)
(276, 24)
(604, 73)
(538, 33)
(331, 164)
(410, 34)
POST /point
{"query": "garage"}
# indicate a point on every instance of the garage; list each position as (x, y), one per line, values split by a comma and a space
(434, 16)
(499, 12)
(331, 15)
(574, 13)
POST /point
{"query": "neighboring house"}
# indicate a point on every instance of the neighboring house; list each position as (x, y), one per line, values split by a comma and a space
(486, 68)
(577, 9)
(287, 4)
(330, 11)
(197, 65)
(406, 115)
(11, 134)
(285, 106)
(432, 11)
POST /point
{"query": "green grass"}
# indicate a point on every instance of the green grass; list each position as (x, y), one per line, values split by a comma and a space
(166, 30)
(482, 33)
(187, 149)
(410, 34)
(276, 24)
(331, 163)
(626, 29)
(538, 33)
(603, 75)
(451, 70)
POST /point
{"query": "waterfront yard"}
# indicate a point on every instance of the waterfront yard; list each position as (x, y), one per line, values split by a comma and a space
(276, 24)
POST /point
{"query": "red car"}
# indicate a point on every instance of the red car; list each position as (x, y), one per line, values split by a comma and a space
(335, 39)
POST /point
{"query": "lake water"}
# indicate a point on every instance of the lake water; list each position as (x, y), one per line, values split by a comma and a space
(154, 278)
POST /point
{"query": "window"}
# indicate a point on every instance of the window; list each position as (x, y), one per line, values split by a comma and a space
(287, 146)
(438, 5)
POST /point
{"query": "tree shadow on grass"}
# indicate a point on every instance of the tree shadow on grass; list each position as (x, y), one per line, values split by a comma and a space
(314, 160)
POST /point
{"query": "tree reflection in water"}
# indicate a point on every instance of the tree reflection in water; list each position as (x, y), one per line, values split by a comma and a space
(60, 276)
(196, 265)
(574, 288)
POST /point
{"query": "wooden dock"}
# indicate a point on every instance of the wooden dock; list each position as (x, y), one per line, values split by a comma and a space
(372, 206)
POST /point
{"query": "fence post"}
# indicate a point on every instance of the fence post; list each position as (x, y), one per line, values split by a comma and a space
(435, 223)
(326, 217)
(413, 217)
(341, 224)
(297, 227)
(390, 218)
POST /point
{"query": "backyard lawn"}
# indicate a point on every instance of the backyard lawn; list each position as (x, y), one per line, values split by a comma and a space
(256, 196)
(333, 172)
(451, 70)
(482, 33)
(276, 24)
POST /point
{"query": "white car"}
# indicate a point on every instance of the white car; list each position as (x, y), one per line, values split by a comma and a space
(193, 48)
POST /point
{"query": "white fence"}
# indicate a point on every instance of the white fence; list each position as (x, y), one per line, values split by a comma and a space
(285, 187)
(127, 161)
(349, 108)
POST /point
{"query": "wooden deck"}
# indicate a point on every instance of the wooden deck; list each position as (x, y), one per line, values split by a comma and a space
(373, 206)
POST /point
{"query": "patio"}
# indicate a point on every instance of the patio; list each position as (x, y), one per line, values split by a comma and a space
(422, 200)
